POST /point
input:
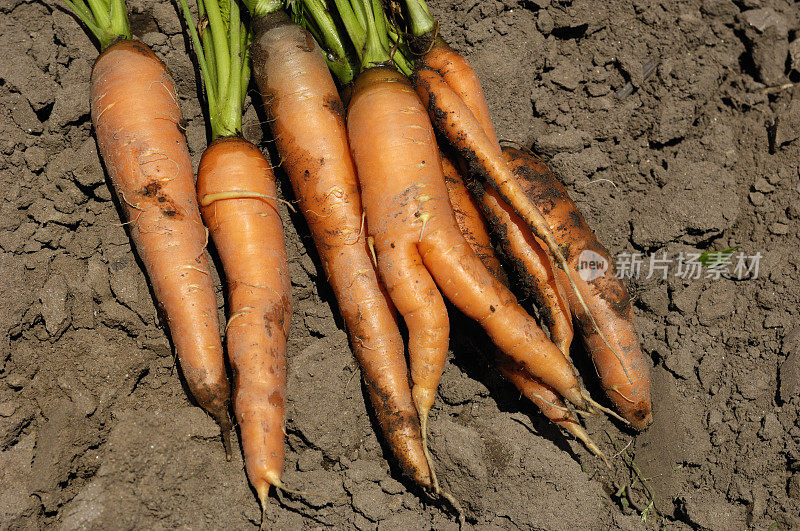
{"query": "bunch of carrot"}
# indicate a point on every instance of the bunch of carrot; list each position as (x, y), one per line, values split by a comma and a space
(398, 221)
(428, 235)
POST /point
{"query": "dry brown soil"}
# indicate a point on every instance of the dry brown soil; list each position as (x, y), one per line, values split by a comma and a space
(97, 432)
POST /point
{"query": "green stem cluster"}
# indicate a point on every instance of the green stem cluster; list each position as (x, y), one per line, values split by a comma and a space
(222, 54)
(106, 19)
(315, 16)
(374, 39)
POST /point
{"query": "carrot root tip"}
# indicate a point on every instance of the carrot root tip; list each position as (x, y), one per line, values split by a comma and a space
(451, 500)
(594, 404)
(225, 432)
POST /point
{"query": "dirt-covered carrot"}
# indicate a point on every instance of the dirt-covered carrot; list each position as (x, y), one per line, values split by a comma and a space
(624, 371)
(237, 194)
(476, 233)
(307, 121)
(532, 263)
(417, 241)
(469, 219)
(521, 247)
(136, 118)
(458, 110)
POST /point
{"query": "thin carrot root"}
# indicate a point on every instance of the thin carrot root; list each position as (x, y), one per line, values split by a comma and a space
(423, 426)
(579, 433)
(454, 504)
(226, 441)
(436, 488)
(594, 404)
(207, 199)
(263, 525)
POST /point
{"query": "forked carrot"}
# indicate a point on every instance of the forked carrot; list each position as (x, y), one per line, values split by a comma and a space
(460, 114)
(623, 370)
(476, 233)
(418, 243)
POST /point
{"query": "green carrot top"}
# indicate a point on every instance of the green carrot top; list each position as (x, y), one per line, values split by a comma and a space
(222, 54)
(106, 19)
(373, 37)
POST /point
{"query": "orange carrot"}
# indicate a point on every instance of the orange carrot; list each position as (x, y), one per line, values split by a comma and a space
(136, 117)
(417, 240)
(307, 120)
(236, 189)
(237, 194)
(476, 233)
(463, 129)
(533, 266)
(469, 219)
(623, 369)
(530, 260)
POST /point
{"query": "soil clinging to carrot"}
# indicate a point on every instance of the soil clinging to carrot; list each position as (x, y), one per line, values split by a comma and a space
(96, 429)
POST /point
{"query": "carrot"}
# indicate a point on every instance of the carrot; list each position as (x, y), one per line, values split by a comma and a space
(530, 260)
(136, 117)
(237, 193)
(469, 219)
(533, 265)
(235, 185)
(417, 240)
(307, 121)
(476, 233)
(460, 114)
(623, 369)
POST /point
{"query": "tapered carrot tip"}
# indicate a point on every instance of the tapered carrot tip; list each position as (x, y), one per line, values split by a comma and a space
(579, 433)
(423, 427)
(451, 500)
(263, 526)
(262, 499)
(576, 397)
(226, 441)
(595, 405)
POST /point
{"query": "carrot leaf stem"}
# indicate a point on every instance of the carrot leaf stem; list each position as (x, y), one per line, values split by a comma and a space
(352, 24)
(107, 20)
(374, 52)
(422, 21)
(325, 31)
(221, 51)
(360, 13)
(397, 47)
(208, 81)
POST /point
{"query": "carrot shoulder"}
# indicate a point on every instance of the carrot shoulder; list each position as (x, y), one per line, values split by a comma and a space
(136, 117)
